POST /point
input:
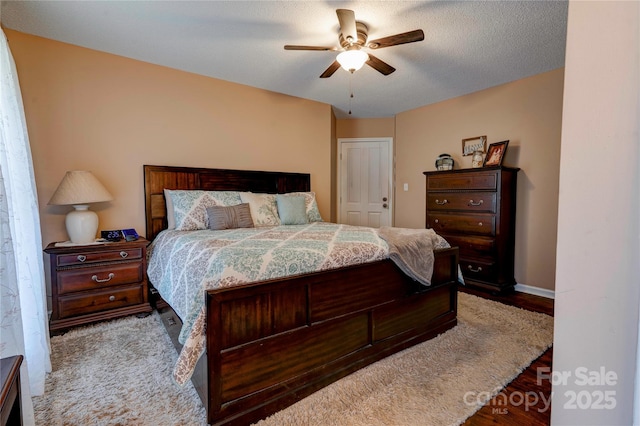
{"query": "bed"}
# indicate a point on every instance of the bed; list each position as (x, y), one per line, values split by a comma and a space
(272, 343)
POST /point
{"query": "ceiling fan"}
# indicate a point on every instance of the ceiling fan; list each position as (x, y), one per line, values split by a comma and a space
(353, 38)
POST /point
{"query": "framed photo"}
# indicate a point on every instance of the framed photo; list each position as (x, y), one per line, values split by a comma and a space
(470, 145)
(495, 154)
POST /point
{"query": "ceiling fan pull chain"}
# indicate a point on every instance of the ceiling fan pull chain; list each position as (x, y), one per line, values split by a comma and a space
(350, 91)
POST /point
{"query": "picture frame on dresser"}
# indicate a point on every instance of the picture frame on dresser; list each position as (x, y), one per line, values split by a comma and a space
(471, 145)
(495, 154)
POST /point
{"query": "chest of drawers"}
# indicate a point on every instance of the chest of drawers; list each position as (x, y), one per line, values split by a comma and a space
(97, 282)
(474, 209)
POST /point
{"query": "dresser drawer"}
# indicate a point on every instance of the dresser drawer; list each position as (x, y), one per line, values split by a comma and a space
(80, 279)
(100, 300)
(464, 201)
(463, 181)
(81, 258)
(479, 224)
(484, 271)
(472, 246)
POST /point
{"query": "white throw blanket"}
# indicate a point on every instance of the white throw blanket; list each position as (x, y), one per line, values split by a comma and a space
(412, 250)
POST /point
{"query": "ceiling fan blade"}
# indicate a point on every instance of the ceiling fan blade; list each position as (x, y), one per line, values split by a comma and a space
(394, 40)
(379, 65)
(294, 47)
(329, 71)
(347, 19)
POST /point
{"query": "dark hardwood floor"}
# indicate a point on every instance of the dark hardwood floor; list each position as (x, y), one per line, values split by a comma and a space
(527, 399)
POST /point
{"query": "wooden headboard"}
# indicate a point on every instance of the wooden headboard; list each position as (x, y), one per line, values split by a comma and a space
(159, 178)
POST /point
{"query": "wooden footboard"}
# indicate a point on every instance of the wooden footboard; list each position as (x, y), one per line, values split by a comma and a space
(271, 344)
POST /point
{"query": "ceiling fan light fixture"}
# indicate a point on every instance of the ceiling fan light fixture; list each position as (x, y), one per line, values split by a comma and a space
(352, 38)
(352, 60)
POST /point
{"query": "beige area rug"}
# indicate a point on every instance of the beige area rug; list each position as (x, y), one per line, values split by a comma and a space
(118, 373)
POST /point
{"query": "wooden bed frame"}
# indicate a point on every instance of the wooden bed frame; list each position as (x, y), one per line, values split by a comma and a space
(272, 343)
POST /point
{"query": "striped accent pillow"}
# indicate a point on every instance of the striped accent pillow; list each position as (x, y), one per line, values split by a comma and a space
(229, 217)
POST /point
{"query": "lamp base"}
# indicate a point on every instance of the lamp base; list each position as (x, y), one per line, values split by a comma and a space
(82, 224)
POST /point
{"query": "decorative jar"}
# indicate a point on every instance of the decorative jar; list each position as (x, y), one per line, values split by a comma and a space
(476, 160)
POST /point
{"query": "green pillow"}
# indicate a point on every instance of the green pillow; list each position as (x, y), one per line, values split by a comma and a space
(292, 210)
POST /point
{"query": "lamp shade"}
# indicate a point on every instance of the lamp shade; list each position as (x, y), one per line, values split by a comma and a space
(80, 188)
(352, 60)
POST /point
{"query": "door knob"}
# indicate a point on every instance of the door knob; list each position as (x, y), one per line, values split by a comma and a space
(384, 205)
(384, 199)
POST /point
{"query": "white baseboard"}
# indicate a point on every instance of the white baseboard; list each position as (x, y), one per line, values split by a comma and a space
(544, 292)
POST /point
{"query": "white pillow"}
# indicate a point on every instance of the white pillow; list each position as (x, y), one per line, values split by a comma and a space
(190, 206)
(264, 209)
(171, 219)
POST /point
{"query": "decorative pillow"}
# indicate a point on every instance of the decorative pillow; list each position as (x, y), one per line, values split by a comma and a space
(264, 211)
(190, 206)
(313, 213)
(229, 217)
(292, 210)
(171, 220)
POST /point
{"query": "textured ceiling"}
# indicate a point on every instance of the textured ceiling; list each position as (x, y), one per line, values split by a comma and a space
(468, 46)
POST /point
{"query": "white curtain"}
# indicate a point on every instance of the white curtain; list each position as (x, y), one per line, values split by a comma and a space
(23, 307)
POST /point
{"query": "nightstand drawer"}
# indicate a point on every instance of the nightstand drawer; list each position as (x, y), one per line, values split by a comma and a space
(82, 258)
(81, 279)
(95, 301)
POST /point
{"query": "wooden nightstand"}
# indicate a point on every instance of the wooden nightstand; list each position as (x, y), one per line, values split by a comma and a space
(97, 282)
(10, 396)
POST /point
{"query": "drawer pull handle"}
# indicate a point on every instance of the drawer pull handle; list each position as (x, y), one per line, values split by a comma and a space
(479, 223)
(112, 298)
(436, 221)
(124, 254)
(442, 203)
(478, 269)
(473, 203)
(82, 257)
(98, 280)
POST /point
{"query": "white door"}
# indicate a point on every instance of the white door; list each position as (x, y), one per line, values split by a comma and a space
(364, 181)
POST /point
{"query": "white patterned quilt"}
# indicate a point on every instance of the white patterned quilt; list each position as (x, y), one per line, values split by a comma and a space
(183, 264)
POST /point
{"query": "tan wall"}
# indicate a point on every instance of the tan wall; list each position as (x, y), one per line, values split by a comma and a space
(366, 128)
(88, 110)
(528, 113)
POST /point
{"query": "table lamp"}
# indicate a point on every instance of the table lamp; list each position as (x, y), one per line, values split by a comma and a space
(80, 188)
